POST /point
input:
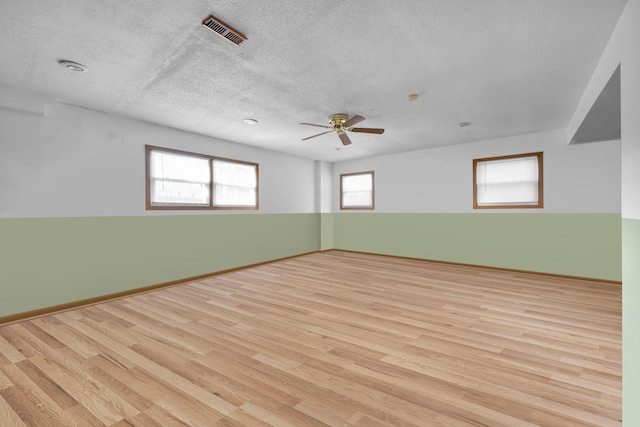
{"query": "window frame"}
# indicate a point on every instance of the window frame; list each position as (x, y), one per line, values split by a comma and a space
(539, 205)
(373, 192)
(211, 206)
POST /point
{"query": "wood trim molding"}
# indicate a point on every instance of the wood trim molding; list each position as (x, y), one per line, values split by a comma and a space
(46, 311)
(487, 267)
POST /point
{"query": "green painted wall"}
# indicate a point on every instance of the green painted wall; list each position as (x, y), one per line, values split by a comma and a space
(51, 261)
(631, 319)
(586, 245)
(326, 231)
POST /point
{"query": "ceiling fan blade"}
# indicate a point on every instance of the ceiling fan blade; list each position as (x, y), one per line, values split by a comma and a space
(344, 138)
(313, 136)
(352, 121)
(367, 130)
(320, 126)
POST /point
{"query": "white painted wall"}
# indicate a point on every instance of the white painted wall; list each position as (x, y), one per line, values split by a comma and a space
(629, 27)
(607, 65)
(623, 49)
(583, 178)
(324, 179)
(628, 31)
(73, 162)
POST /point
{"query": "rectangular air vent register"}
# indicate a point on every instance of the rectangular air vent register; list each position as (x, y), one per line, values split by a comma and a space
(223, 30)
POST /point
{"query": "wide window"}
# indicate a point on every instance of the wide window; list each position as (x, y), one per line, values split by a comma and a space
(182, 180)
(513, 181)
(356, 190)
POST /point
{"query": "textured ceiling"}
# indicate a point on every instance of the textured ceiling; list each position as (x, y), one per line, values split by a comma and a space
(508, 66)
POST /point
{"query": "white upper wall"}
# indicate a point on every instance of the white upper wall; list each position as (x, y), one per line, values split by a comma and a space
(581, 178)
(324, 179)
(70, 161)
(622, 50)
(629, 27)
(66, 161)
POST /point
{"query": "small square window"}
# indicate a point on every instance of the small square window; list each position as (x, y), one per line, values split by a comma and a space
(356, 190)
(513, 181)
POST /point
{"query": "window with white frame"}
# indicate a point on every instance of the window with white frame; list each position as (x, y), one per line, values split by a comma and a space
(181, 180)
(356, 190)
(513, 181)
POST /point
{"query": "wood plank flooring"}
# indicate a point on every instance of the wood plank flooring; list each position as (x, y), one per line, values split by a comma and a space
(332, 338)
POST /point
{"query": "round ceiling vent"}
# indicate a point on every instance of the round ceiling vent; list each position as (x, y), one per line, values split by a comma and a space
(73, 66)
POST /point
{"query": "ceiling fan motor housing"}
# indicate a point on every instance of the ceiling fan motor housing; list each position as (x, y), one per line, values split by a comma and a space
(338, 119)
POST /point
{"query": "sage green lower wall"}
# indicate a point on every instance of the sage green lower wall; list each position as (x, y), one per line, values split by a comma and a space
(631, 321)
(586, 245)
(326, 231)
(51, 261)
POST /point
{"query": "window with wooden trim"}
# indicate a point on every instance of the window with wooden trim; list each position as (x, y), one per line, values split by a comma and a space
(182, 180)
(357, 190)
(513, 181)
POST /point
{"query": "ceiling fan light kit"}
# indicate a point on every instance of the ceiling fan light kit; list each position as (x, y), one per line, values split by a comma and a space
(340, 123)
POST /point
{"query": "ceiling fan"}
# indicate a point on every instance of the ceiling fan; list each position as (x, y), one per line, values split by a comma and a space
(341, 123)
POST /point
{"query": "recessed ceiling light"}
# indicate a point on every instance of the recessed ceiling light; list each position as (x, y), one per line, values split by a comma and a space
(250, 121)
(338, 148)
(464, 124)
(412, 97)
(73, 66)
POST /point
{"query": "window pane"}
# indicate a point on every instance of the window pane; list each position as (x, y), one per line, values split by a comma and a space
(356, 198)
(512, 181)
(234, 184)
(357, 190)
(179, 179)
(356, 182)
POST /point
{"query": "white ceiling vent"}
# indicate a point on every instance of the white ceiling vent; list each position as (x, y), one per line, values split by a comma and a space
(223, 30)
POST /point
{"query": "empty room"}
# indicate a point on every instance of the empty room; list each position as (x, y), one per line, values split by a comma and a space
(296, 213)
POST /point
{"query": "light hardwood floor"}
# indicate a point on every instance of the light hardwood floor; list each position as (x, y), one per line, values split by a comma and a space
(333, 338)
